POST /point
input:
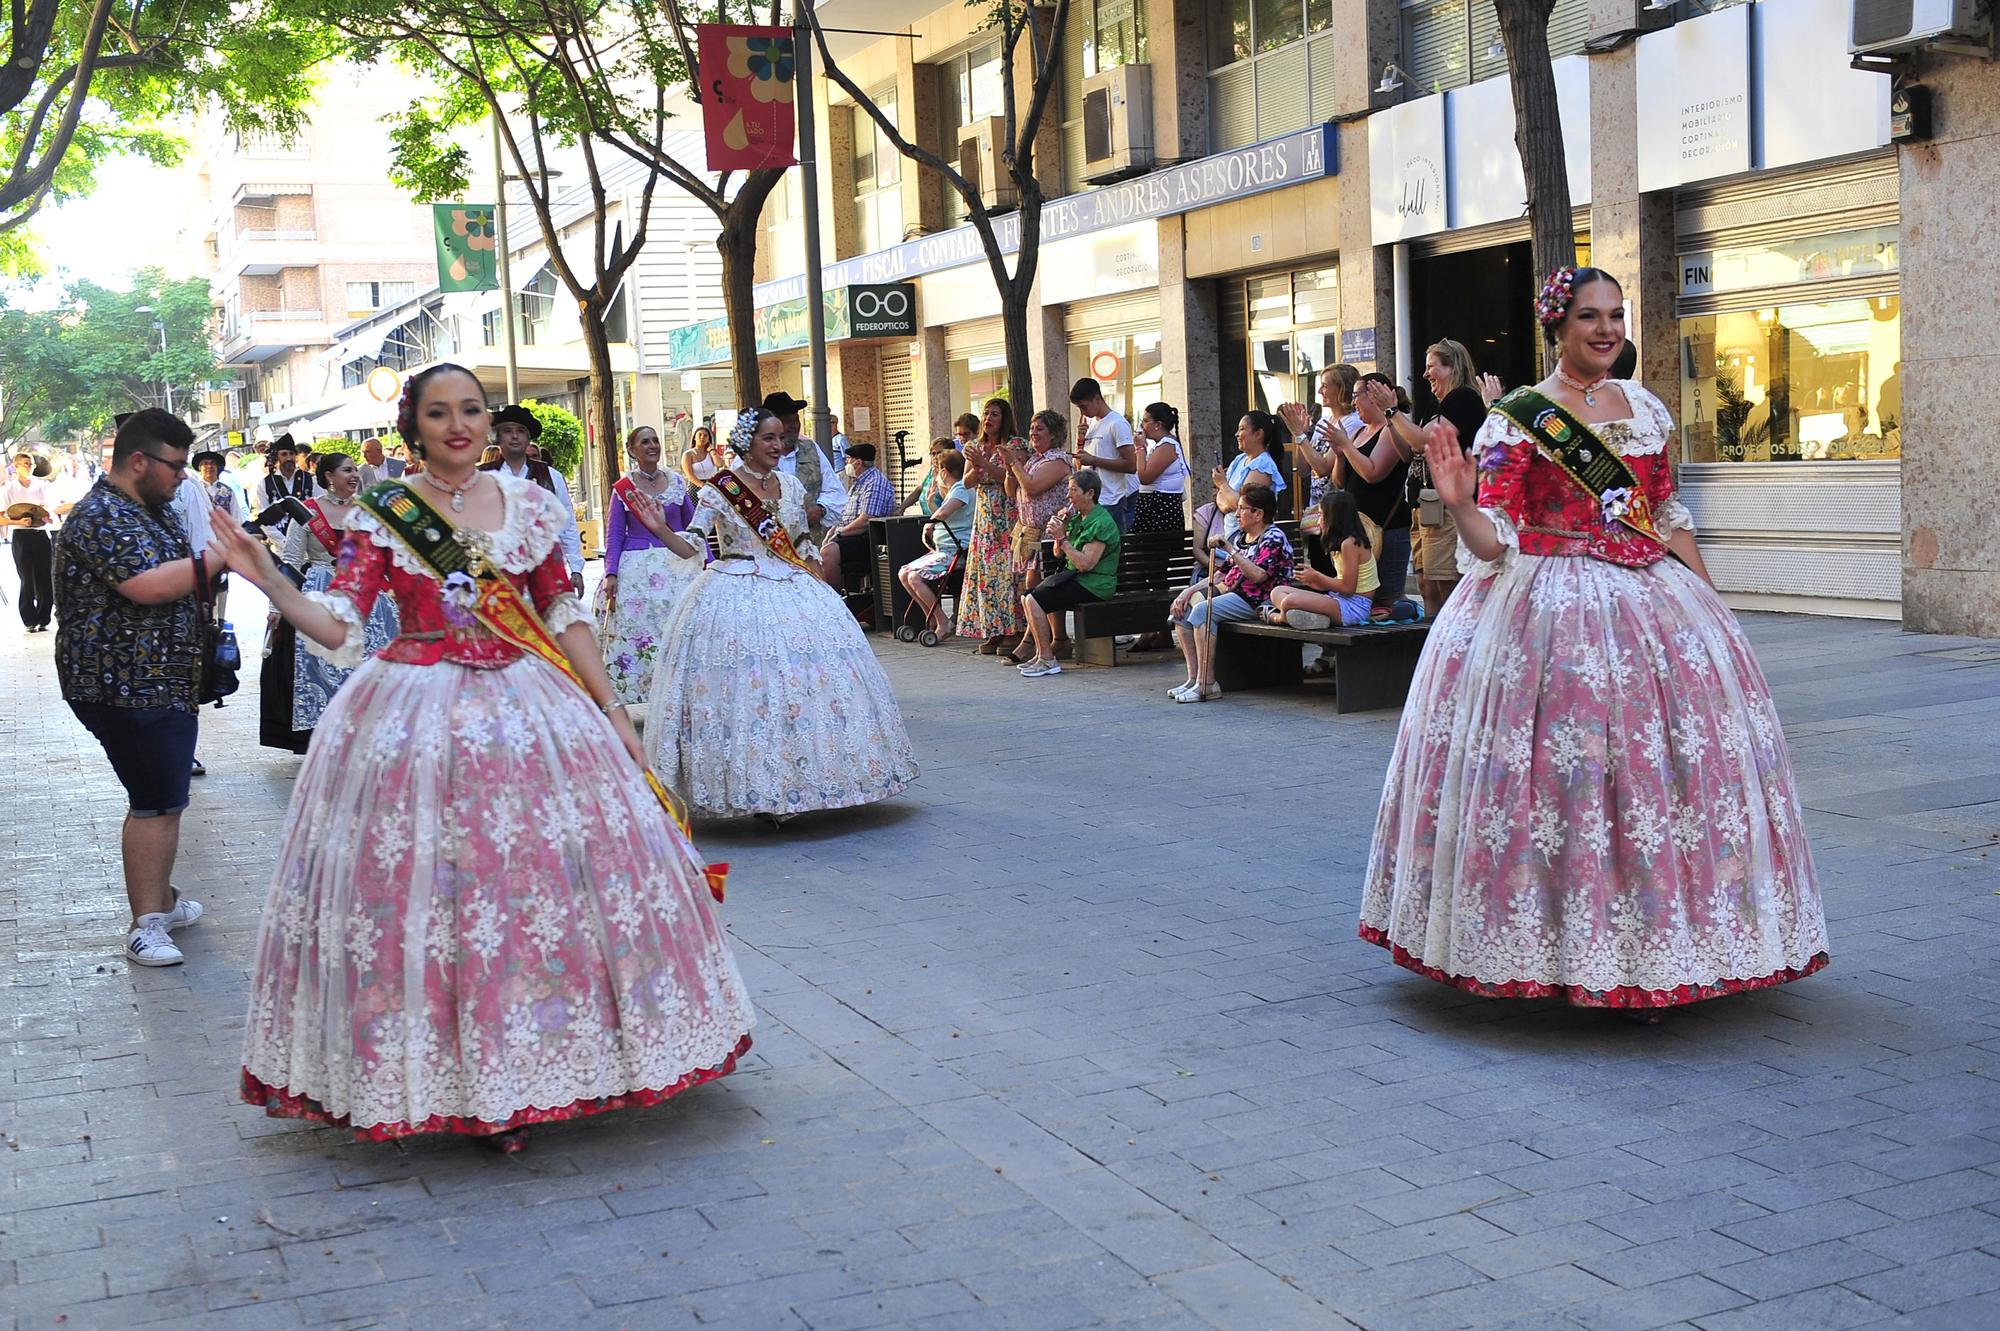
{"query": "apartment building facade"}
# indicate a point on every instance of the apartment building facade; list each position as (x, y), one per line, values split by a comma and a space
(1246, 191)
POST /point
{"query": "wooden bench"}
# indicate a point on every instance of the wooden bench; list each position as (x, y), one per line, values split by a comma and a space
(1153, 567)
(1372, 664)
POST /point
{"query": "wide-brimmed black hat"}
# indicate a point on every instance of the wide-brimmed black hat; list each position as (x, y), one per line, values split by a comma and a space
(516, 414)
(284, 441)
(783, 403)
(203, 456)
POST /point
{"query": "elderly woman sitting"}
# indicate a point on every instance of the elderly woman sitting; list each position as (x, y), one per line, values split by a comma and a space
(1088, 540)
(1248, 567)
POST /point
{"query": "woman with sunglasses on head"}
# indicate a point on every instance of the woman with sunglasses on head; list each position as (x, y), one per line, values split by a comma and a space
(1590, 797)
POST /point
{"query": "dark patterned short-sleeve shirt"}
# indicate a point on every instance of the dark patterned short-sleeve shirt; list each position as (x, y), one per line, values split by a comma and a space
(111, 650)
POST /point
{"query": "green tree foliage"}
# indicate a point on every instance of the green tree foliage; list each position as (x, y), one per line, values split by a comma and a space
(89, 79)
(101, 351)
(561, 440)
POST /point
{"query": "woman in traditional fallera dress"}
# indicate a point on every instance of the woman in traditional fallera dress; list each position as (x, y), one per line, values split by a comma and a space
(643, 580)
(296, 683)
(482, 916)
(1590, 797)
(766, 699)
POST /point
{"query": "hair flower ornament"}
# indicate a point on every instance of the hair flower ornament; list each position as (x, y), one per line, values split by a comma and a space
(461, 594)
(743, 431)
(1553, 302)
(1617, 503)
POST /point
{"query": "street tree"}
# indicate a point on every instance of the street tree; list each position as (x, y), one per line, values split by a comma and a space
(85, 81)
(1531, 77)
(100, 351)
(1041, 29)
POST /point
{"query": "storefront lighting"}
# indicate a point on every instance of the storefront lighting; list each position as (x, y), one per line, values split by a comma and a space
(1392, 77)
(1496, 49)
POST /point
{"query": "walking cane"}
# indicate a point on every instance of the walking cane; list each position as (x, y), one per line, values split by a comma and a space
(1210, 627)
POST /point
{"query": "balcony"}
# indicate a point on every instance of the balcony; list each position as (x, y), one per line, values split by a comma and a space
(260, 334)
(259, 252)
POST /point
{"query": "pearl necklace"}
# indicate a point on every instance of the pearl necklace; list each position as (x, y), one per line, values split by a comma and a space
(457, 493)
(649, 477)
(1588, 390)
(758, 476)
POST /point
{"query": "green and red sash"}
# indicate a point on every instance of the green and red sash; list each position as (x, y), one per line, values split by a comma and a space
(1593, 465)
(322, 529)
(760, 519)
(498, 604)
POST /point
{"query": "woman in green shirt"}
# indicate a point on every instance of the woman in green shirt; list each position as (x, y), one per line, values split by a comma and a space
(1088, 540)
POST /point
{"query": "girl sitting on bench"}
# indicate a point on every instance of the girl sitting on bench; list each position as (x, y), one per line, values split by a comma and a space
(1330, 589)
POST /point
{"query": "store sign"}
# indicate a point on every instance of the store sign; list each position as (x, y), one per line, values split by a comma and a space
(1814, 104)
(1485, 182)
(1106, 263)
(1694, 100)
(1357, 346)
(882, 311)
(1306, 155)
(1857, 253)
(1406, 170)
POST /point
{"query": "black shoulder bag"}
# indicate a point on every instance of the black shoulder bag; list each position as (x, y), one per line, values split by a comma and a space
(220, 656)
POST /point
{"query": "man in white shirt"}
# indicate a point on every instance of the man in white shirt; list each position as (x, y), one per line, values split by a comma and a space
(514, 428)
(840, 442)
(1104, 441)
(806, 460)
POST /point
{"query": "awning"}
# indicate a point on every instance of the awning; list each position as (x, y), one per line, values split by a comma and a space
(295, 418)
(364, 413)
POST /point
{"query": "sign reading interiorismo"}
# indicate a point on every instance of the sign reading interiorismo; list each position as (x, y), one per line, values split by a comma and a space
(1694, 99)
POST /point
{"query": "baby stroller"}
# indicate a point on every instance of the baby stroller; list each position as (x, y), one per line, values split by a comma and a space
(946, 584)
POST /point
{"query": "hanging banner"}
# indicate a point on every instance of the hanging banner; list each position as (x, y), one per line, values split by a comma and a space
(746, 95)
(467, 260)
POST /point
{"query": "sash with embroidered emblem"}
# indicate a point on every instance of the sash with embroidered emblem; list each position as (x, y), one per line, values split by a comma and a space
(322, 529)
(1585, 458)
(760, 519)
(473, 583)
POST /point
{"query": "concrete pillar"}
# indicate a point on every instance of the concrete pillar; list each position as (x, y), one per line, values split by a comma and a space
(1049, 354)
(1631, 234)
(861, 386)
(1191, 358)
(1176, 47)
(917, 102)
(1951, 471)
(1367, 273)
(932, 385)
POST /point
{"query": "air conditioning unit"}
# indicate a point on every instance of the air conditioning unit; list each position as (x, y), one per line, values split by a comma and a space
(1117, 123)
(980, 145)
(1892, 27)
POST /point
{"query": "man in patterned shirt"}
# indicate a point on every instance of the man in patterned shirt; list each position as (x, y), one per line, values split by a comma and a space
(843, 560)
(128, 658)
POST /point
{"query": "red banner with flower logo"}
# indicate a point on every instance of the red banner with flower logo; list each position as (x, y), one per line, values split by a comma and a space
(746, 95)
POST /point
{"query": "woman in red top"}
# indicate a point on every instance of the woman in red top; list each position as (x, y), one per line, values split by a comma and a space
(482, 918)
(1590, 797)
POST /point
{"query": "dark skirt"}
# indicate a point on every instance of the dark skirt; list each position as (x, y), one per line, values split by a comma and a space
(274, 685)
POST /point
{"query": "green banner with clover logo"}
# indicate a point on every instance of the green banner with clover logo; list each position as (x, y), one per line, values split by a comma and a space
(468, 259)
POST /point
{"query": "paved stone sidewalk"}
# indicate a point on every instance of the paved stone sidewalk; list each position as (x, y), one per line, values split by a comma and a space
(1078, 1034)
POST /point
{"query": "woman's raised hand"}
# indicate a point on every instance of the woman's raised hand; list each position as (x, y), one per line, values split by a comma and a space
(1293, 414)
(1452, 472)
(648, 512)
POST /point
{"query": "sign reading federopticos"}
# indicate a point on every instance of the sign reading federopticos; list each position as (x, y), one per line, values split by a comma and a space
(888, 310)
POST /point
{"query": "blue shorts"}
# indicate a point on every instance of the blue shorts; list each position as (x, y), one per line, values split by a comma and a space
(1228, 608)
(150, 748)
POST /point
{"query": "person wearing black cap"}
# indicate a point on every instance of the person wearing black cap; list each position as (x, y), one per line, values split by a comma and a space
(805, 459)
(843, 559)
(514, 428)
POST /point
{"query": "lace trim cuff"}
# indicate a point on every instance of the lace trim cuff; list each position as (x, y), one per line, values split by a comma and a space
(1470, 564)
(354, 647)
(564, 611)
(1673, 516)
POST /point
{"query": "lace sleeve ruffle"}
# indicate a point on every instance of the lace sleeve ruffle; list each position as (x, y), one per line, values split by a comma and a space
(1471, 565)
(353, 648)
(564, 611)
(1673, 516)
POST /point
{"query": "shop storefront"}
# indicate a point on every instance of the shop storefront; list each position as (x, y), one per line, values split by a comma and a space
(1117, 343)
(1790, 406)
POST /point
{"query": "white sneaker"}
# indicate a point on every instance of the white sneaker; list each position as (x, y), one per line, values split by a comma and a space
(186, 912)
(1037, 669)
(150, 945)
(1177, 690)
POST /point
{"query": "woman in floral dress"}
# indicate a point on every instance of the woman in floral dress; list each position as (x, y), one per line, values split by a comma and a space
(482, 917)
(1590, 797)
(643, 580)
(989, 606)
(767, 699)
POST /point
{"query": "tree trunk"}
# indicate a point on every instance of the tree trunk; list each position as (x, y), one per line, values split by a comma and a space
(737, 243)
(1020, 362)
(1524, 29)
(602, 464)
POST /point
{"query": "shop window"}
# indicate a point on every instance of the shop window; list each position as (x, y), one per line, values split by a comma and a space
(1274, 69)
(878, 178)
(1129, 367)
(1815, 381)
(364, 298)
(969, 89)
(976, 378)
(1114, 33)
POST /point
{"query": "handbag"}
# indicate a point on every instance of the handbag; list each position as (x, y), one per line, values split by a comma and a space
(221, 658)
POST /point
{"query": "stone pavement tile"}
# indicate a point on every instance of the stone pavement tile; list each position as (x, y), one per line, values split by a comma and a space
(886, 1307)
(1680, 1216)
(1240, 1294)
(1422, 1239)
(1684, 1298)
(1058, 1312)
(1939, 1280)
(1355, 1293)
(1931, 1196)
(1832, 1262)
(1820, 1221)
(1981, 1312)
(1784, 1192)
(1829, 1308)
(1667, 1258)
(1536, 1251)
(1934, 1236)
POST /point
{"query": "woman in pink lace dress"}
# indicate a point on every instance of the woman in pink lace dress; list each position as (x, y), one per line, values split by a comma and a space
(1590, 797)
(482, 918)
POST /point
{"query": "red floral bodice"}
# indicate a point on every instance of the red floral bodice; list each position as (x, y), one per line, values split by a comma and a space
(1544, 512)
(435, 626)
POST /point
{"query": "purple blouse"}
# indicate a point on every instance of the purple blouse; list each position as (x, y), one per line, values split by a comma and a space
(628, 533)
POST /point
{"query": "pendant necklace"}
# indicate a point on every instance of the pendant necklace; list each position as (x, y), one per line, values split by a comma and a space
(1588, 390)
(649, 477)
(457, 493)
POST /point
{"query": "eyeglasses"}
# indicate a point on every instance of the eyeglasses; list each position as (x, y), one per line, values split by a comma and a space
(177, 468)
